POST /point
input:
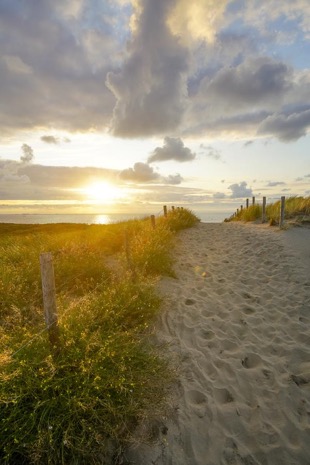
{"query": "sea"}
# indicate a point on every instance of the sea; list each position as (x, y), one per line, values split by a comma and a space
(31, 218)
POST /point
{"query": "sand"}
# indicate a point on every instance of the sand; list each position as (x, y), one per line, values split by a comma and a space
(237, 320)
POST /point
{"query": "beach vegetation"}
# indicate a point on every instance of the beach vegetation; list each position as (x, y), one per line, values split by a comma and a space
(297, 209)
(82, 404)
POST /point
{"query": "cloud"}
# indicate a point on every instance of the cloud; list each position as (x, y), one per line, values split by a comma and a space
(43, 87)
(210, 152)
(173, 149)
(240, 190)
(173, 179)
(28, 155)
(196, 20)
(9, 173)
(219, 195)
(141, 172)
(275, 183)
(287, 127)
(21, 180)
(151, 87)
(49, 139)
(165, 67)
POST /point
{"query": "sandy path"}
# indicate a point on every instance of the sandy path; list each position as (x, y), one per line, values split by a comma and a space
(238, 317)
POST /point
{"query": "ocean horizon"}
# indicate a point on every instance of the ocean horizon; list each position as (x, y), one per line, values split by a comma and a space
(86, 218)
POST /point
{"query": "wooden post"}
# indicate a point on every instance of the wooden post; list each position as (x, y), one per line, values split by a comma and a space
(165, 210)
(241, 207)
(264, 210)
(253, 200)
(172, 208)
(237, 211)
(247, 203)
(282, 209)
(49, 300)
(153, 221)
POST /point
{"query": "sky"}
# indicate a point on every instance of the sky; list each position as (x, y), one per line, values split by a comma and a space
(123, 106)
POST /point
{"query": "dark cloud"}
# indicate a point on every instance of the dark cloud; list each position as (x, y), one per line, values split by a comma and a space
(254, 97)
(173, 149)
(52, 73)
(170, 67)
(240, 190)
(286, 127)
(254, 80)
(151, 86)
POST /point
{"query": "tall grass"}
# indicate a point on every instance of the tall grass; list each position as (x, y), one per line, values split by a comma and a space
(82, 406)
(297, 208)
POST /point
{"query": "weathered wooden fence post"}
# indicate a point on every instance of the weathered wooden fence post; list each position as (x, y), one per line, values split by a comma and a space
(264, 210)
(165, 210)
(253, 200)
(247, 203)
(241, 208)
(172, 208)
(282, 210)
(49, 300)
(153, 221)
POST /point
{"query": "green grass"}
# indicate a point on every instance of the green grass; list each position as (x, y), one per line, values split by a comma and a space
(81, 406)
(296, 208)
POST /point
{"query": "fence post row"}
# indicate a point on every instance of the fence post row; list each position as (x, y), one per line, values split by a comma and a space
(49, 300)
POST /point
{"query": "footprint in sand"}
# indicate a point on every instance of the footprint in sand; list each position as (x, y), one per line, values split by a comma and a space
(223, 396)
(198, 402)
(251, 361)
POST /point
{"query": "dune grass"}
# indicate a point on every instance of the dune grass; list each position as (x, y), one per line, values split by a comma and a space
(296, 208)
(81, 406)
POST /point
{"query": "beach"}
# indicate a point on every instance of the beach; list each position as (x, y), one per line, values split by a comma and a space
(235, 323)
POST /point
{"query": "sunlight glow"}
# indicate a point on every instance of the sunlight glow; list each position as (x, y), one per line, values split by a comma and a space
(103, 192)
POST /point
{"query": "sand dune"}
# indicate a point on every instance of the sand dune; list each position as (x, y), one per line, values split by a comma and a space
(237, 316)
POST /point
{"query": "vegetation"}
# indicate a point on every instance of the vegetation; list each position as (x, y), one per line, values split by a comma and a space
(82, 405)
(296, 208)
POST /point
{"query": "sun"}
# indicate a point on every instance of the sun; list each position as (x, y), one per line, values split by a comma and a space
(103, 192)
